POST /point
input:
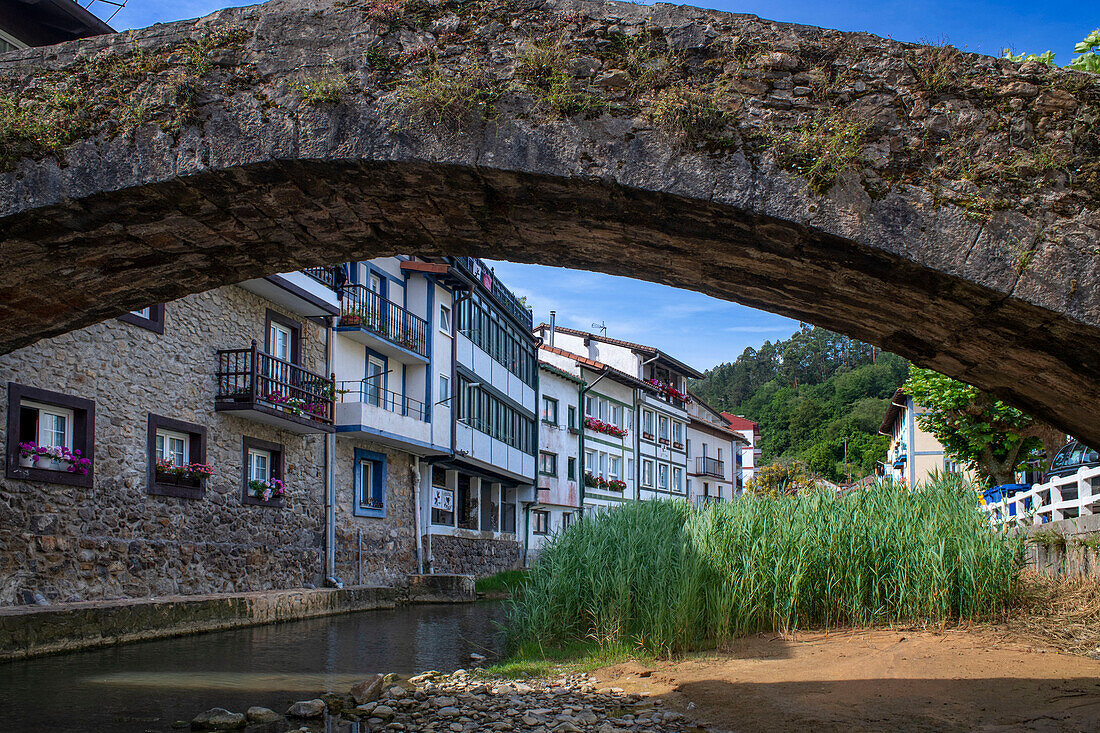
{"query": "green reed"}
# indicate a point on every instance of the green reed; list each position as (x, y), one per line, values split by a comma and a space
(665, 576)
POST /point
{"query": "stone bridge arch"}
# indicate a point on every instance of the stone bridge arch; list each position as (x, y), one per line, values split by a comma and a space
(939, 204)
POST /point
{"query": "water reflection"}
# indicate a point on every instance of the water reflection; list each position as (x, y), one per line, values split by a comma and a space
(149, 685)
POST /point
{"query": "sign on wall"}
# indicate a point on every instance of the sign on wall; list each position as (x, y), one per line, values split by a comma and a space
(443, 499)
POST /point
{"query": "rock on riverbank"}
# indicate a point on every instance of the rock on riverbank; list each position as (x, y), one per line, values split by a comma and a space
(462, 703)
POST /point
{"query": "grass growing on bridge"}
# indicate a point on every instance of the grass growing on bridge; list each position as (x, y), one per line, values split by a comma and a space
(666, 577)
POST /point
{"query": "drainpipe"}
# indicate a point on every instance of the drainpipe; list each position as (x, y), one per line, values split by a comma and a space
(416, 516)
(526, 529)
(330, 471)
(580, 431)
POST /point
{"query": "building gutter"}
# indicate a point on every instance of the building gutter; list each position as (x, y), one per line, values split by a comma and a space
(330, 470)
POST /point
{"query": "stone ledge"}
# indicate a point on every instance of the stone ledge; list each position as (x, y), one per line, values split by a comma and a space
(441, 588)
(30, 631)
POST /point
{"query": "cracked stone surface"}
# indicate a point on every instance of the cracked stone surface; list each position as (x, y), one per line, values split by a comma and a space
(963, 234)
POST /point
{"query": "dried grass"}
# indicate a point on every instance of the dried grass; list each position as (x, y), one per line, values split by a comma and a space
(1061, 613)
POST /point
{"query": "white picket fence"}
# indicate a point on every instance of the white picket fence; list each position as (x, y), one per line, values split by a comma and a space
(1065, 497)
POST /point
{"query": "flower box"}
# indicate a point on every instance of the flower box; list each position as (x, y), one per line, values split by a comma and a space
(189, 474)
(600, 426)
(271, 490)
(53, 458)
(663, 441)
(677, 445)
(647, 436)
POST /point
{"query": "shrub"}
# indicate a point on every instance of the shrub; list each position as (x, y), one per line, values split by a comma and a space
(325, 87)
(665, 576)
(544, 69)
(689, 116)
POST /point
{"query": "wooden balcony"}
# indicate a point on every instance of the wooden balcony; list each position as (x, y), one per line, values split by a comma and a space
(263, 388)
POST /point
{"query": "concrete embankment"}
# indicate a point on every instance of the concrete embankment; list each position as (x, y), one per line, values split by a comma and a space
(30, 631)
(1068, 548)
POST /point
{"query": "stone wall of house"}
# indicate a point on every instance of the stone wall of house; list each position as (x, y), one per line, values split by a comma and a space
(116, 540)
(474, 556)
(370, 549)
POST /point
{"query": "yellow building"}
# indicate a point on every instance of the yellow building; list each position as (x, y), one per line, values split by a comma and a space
(914, 453)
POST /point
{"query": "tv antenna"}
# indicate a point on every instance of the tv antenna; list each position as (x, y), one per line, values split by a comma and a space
(602, 327)
(116, 4)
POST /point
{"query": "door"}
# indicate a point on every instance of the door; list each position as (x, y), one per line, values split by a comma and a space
(373, 387)
(281, 343)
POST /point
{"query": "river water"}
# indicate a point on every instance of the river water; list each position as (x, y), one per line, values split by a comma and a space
(146, 686)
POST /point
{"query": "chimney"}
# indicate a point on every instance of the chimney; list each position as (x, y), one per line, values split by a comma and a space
(553, 321)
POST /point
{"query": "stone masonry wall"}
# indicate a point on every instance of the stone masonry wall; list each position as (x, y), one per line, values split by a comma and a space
(115, 539)
(375, 550)
(470, 556)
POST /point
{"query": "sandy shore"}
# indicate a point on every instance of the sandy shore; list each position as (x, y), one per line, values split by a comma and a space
(954, 680)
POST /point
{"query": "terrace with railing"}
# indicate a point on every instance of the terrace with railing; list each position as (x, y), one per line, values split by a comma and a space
(484, 274)
(1063, 497)
(709, 467)
(367, 310)
(274, 391)
(367, 391)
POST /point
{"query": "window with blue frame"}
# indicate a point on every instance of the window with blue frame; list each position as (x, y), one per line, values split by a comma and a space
(370, 483)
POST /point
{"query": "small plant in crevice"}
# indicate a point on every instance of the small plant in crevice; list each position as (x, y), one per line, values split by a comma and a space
(821, 150)
(324, 87)
(936, 66)
(1024, 258)
(545, 70)
(1048, 539)
(690, 116)
(453, 100)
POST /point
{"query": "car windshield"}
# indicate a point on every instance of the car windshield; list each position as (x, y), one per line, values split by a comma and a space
(1072, 455)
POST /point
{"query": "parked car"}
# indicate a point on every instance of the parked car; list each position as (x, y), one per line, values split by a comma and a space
(1072, 457)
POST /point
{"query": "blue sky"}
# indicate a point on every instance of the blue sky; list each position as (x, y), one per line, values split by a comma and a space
(699, 330)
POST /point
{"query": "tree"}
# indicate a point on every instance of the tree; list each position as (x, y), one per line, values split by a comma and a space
(977, 429)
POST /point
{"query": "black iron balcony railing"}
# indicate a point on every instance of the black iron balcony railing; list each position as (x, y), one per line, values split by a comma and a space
(368, 391)
(248, 377)
(478, 269)
(368, 310)
(324, 275)
(709, 467)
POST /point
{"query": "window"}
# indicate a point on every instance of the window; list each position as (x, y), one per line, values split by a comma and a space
(719, 453)
(507, 510)
(443, 499)
(677, 479)
(614, 467)
(629, 470)
(605, 410)
(262, 462)
(550, 410)
(572, 464)
(590, 462)
(647, 473)
(590, 406)
(647, 424)
(50, 420)
(540, 522)
(572, 417)
(496, 335)
(282, 339)
(369, 483)
(445, 318)
(603, 464)
(566, 520)
(482, 410)
(151, 318)
(177, 457)
(548, 464)
(172, 447)
(617, 415)
(444, 387)
(662, 429)
(662, 476)
(677, 432)
(688, 447)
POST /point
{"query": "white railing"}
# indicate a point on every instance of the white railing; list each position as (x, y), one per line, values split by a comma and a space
(1063, 497)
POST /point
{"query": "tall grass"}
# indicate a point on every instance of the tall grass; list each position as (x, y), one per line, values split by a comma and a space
(666, 576)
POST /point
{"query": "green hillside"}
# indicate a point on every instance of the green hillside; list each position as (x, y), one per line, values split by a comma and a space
(809, 393)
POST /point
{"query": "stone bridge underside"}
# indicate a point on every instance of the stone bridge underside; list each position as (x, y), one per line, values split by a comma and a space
(940, 205)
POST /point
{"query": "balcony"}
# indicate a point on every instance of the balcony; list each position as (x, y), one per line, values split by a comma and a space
(263, 388)
(324, 275)
(387, 417)
(384, 326)
(485, 275)
(710, 467)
